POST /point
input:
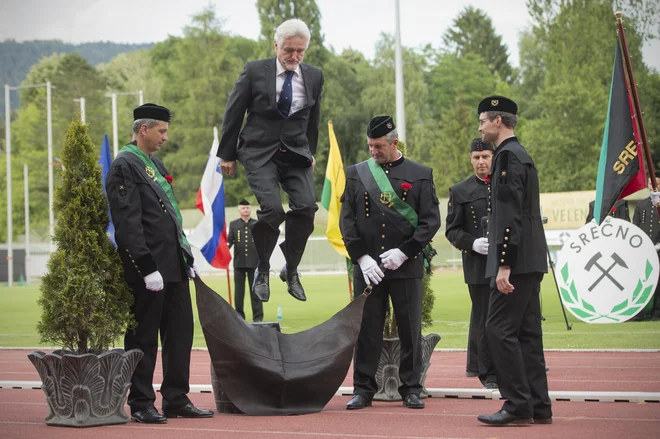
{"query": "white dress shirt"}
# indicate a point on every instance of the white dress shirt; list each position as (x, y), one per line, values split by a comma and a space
(299, 96)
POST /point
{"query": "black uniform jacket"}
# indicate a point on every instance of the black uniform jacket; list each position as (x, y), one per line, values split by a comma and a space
(366, 230)
(515, 229)
(646, 218)
(266, 129)
(468, 204)
(240, 234)
(619, 210)
(147, 230)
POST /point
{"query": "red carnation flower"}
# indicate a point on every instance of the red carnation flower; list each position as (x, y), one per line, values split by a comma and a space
(406, 186)
(487, 178)
(613, 209)
(169, 178)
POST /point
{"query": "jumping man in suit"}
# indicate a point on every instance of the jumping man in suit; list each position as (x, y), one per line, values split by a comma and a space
(282, 98)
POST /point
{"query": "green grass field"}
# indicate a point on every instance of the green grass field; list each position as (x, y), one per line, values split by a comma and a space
(326, 295)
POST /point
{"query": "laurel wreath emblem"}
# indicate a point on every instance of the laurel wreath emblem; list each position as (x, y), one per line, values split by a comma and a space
(627, 308)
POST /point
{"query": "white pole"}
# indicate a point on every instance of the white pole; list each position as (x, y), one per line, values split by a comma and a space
(49, 116)
(10, 237)
(26, 196)
(140, 97)
(82, 110)
(114, 123)
(400, 103)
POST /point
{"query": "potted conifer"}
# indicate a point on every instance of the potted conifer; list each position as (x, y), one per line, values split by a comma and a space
(86, 304)
(387, 375)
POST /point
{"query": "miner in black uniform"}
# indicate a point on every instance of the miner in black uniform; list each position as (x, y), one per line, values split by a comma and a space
(619, 210)
(646, 218)
(467, 206)
(245, 260)
(516, 263)
(389, 213)
(157, 263)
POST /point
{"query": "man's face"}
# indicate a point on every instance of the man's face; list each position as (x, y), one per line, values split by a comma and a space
(382, 150)
(657, 183)
(154, 137)
(481, 161)
(244, 211)
(292, 52)
(489, 129)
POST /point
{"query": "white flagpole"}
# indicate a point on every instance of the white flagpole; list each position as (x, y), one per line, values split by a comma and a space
(400, 102)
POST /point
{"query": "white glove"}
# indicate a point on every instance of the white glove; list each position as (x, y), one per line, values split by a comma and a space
(657, 247)
(193, 271)
(655, 198)
(154, 281)
(393, 258)
(480, 245)
(370, 270)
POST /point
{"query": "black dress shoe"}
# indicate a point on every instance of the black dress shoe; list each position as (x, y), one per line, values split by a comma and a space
(261, 286)
(412, 401)
(504, 418)
(491, 385)
(149, 416)
(358, 402)
(540, 420)
(293, 284)
(188, 411)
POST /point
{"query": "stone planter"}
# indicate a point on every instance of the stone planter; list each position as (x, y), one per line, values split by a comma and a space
(86, 390)
(387, 375)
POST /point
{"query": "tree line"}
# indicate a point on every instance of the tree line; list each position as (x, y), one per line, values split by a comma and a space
(561, 86)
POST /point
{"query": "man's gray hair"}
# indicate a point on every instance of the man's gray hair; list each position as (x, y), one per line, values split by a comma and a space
(508, 119)
(392, 135)
(292, 28)
(148, 122)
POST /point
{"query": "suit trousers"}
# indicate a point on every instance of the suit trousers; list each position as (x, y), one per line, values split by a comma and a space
(297, 183)
(480, 296)
(472, 360)
(169, 312)
(513, 327)
(239, 294)
(406, 297)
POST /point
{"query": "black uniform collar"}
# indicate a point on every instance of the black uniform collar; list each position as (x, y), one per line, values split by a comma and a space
(508, 140)
(479, 181)
(396, 162)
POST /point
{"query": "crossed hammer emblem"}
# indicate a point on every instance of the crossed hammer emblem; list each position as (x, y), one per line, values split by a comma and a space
(593, 262)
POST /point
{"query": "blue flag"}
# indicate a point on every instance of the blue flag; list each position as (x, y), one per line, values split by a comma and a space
(105, 160)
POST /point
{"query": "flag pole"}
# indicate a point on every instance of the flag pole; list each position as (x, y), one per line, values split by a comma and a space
(637, 117)
(229, 287)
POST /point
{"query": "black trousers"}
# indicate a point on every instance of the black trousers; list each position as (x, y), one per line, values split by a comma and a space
(297, 183)
(169, 312)
(480, 296)
(513, 327)
(472, 363)
(406, 297)
(239, 294)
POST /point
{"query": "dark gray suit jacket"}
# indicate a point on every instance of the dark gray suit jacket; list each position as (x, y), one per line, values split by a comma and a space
(266, 129)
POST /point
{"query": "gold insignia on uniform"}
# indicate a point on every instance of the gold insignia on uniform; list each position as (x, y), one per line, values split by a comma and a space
(389, 125)
(150, 172)
(386, 198)
(503, 173)
(494, 102)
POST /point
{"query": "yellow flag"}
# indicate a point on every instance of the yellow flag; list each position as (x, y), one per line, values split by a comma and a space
(333, 188)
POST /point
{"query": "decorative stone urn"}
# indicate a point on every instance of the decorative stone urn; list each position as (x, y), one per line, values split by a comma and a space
(387, 375)
(86, 390)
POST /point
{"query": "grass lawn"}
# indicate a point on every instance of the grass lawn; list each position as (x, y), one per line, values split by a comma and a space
(326, 295)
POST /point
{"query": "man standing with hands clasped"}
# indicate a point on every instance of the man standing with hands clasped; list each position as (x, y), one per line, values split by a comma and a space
(516, 264)
(467, 212)
(389, 213)
(282, 98)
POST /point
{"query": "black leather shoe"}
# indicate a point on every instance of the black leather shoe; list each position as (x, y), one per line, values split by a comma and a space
(543, 420)
(261, 286)
(491, 385)
(188, 411)
(358, 402)
(149, 416)
(293, 284)
(504, 418)
(412, 401)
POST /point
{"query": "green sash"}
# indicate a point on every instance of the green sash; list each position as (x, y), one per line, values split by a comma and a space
(380, 189)
(154, 174)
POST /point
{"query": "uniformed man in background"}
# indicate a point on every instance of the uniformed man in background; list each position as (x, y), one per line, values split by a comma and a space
(466, 211)
(619, 210)
(245, 260)
(389, 213)
(516, 263)
(646, 218)
(157, 263)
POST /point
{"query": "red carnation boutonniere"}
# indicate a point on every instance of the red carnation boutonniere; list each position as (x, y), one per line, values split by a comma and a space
(487, 178)
(406, 186)
(169, 178)
(613, 209)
